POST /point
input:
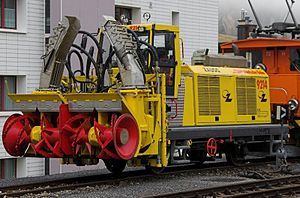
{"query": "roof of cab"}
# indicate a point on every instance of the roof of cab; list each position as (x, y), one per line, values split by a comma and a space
(149, 26)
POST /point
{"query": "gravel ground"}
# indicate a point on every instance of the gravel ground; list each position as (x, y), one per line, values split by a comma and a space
(174, 183)
(49, 178)
(147, 187)
(159, 184)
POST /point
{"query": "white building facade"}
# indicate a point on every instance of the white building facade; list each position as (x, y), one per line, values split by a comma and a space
(21, 47)
(197, 19)
(22, 31)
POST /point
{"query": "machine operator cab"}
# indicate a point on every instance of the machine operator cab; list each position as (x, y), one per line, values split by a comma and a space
(165, 40)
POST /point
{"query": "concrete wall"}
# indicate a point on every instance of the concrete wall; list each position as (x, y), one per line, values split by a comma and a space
(198, 20)
(20, 52)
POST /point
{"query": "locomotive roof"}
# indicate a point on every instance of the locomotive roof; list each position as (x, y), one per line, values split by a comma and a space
(255, 43)
(223, 71)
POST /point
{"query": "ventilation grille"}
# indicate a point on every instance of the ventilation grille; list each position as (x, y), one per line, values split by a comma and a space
(209, 95)
(246, 96)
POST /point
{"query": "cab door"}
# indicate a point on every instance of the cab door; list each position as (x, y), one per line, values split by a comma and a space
(163, 41)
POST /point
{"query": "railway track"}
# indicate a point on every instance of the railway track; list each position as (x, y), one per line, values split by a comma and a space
(109, 179)
(278, 187)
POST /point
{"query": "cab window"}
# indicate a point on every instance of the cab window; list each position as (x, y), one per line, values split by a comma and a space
(144, 36)
(163, 41)
(295, 59)
(257, 57)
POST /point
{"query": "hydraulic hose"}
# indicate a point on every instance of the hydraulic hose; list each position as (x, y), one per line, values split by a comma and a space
(156, 67)
(93, 38)
(78, 55)
(155, 56)
(105, 67)
(94, 63)
(144, 52)
(89, 62)
(72, 76)
(144, 43)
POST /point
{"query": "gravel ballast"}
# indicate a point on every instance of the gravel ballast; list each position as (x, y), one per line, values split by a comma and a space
(158, 184)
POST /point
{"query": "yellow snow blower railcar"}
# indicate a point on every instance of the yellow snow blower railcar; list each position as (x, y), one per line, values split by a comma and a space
(137, 104)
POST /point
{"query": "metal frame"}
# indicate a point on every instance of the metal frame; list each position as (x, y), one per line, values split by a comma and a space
(184, 133)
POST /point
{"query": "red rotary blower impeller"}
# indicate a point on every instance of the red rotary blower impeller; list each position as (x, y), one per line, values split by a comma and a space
(74, 135)
(15, 134)
(126, 136)
(120, 141)
(48, 146)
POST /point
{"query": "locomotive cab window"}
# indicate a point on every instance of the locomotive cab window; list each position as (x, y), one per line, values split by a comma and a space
(295, 59)
(144, 36)
(163, 41)
(256, 57)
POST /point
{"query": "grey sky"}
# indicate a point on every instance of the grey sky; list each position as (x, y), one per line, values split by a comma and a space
(267, 10)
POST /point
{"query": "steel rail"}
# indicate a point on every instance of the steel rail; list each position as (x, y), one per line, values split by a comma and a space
(262, 188)
(110, 179)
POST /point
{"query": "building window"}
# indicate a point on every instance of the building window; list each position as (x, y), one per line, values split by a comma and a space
(8, 14)
(8, 168)
(175, 18)
(123, 15)
(7, 85)
(47, 16)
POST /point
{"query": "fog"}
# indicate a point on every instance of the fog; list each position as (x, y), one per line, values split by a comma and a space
(268, 12)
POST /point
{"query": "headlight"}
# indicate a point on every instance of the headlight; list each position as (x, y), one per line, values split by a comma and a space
(293, 105)
(261, 66)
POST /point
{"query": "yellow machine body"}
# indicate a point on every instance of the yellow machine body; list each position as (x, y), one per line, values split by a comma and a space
(222, 96)
(145, 106)
(197, 96)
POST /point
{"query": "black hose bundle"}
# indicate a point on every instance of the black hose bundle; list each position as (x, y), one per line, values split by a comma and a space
(100, 67)
(143, 53)
(78, 51)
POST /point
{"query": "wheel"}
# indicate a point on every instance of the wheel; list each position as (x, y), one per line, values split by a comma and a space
(115, 166)
(154, 170)
(197, 156)
(235, 155)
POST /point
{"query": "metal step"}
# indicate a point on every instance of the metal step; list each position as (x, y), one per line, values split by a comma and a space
(177, 162)
(182, 147)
